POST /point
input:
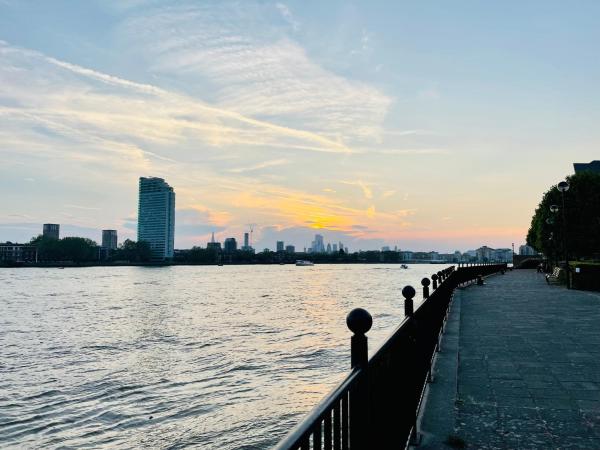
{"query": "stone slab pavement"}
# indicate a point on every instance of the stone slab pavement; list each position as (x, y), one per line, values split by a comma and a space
(523, 363)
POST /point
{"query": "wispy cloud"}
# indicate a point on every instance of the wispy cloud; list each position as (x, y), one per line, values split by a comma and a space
(288, 16)
(255, 72)
(86, 208)
(259, 166)
(367, 192)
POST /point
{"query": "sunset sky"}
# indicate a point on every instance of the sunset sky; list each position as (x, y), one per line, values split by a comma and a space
(426, 125)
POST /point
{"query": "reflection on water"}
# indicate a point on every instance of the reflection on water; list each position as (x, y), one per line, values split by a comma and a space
(209, 357)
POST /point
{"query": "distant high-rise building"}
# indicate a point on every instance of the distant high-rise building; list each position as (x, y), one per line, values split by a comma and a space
(51, 231)
(317, 245)
(334, 248)
(280, 246)
(290, 249)
(230, 245)
(593, 166)
(212, 244)
(109, 239)
(246, 241)
(385, 248)
(328, 247)
(156, 216)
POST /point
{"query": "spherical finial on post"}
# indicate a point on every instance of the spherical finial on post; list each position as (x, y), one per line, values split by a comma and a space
(434, 277)
(440, 275)
(359, 321)
(408, 292)
(425, 282)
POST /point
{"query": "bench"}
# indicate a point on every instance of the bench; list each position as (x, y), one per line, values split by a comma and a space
(554, 276)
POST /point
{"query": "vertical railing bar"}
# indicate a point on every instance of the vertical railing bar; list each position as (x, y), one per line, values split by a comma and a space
(305, 443)
(327, 431)
(317, 436)
(345, 421)
(336, 426)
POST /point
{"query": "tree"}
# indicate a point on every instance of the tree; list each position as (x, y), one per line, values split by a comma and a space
(76, 249)
(133, 251)
(582, 216)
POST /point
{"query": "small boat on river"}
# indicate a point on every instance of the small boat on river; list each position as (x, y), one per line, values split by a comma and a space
(303, 262)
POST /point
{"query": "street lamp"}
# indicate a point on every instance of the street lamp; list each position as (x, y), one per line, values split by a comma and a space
(550, 222)
(563, 187)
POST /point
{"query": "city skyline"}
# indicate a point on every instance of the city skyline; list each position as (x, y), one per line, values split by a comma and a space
(434, 130)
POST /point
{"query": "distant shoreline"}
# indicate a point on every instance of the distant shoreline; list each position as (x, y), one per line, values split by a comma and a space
(68, 264)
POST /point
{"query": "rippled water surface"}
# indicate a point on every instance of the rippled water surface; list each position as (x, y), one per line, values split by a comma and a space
(173, 357)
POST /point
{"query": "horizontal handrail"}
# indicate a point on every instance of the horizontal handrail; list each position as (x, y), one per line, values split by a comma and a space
(376, 405)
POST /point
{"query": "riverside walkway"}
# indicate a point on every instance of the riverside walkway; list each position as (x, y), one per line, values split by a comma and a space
(519, 367)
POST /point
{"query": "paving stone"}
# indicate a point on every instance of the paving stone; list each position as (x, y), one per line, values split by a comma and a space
(552, 392)
(588, 405)
(585, 395)
(580, 385)
(559, 403)
(567, 422)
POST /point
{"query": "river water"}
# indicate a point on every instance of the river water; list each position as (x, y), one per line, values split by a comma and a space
(172, 357)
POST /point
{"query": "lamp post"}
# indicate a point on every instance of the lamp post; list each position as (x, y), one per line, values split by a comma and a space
(550, 221)
(563, 187)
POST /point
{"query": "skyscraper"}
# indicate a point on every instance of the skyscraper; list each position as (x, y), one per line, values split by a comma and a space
(280, 246)
(317, 244)
(213, 244)
(230, 245)
(156, 216)
(246, 242)
(109, 239)
(51, 231)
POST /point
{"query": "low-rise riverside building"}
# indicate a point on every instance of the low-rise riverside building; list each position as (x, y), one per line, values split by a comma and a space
(17, 253)
(526, 250)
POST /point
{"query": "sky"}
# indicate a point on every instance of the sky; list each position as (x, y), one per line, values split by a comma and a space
(427, 125)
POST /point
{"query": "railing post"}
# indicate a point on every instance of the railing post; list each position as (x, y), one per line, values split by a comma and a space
(479, 280)
(359, 321)
(434, 277)
(425, 282)
(408, 292)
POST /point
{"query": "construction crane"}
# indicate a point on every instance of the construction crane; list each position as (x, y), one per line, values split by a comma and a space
(251, 226)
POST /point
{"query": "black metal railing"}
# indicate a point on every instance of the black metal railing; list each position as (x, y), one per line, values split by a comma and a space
(377, 404)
